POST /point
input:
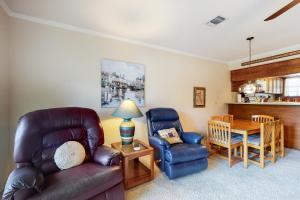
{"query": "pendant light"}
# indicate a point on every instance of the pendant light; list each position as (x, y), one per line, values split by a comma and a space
(250, 49)
(249, 88)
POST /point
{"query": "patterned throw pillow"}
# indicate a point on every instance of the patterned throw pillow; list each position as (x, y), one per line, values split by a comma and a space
(170, 135)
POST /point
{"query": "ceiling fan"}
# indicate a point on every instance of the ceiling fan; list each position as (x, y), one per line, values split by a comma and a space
(283, 10)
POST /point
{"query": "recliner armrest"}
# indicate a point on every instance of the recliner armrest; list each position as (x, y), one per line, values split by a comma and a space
(159, 142)
(107, 156)
(191, 137)
(21, 179)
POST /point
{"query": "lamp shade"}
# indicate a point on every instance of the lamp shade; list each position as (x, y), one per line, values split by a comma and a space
(127, 110)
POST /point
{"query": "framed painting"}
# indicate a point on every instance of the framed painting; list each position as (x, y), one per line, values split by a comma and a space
(199, 97)
(122, 80)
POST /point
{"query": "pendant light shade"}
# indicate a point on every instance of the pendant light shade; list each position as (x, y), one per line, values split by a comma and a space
(249, 88)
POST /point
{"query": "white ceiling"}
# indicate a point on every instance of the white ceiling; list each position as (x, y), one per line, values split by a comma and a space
(178, 24)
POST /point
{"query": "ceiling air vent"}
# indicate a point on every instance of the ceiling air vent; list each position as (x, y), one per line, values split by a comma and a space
(216, 21)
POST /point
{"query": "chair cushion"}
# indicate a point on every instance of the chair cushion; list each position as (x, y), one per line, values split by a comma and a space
(163, 114)
(185, 152)
(253, 139)
(236, 139)
(81, 182)
(255, 135)
(236, 135)
(156, 126)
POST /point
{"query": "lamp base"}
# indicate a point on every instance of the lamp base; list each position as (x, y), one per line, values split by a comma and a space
(127, 128)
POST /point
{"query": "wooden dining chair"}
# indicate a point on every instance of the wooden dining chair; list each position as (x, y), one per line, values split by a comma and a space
(262, 118)
(228, 119)
(279, 138)
(219, 134)
(223, 118)
(264, 143)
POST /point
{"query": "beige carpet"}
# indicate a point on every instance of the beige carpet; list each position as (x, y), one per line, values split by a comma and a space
(279, 181)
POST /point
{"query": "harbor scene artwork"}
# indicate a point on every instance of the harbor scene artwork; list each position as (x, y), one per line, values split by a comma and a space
(122, 80)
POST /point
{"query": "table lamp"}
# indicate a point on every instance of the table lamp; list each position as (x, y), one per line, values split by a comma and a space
(127, 110)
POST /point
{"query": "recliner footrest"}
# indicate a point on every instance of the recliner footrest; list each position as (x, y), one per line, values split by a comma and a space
(185, 168)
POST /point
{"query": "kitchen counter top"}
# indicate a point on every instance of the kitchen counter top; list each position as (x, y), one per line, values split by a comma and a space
(269, 103)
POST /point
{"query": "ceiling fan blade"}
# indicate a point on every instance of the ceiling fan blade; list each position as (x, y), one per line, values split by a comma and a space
(283, 10)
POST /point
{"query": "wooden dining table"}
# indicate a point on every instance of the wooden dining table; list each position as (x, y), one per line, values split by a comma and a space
(245, 128)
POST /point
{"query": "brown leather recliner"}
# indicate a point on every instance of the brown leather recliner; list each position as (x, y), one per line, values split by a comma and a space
(38, 136)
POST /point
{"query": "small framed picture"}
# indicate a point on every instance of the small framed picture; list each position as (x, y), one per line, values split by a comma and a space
(199, 97)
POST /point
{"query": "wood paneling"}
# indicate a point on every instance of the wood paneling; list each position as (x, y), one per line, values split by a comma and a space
(283, 55)
(236, 84)
(267, 70)
(282, 68)
(290, 116)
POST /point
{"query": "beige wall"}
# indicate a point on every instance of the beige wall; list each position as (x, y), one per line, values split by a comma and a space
(52, 67)
(4, 133)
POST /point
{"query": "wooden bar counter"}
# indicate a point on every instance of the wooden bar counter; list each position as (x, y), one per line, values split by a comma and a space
(288, 112)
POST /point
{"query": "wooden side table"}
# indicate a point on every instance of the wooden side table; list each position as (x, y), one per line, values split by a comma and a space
(135, 172)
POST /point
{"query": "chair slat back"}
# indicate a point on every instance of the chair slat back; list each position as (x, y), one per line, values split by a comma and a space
(262, 118)
(228, 118)
(267, 131)
(223, 118)
(278, 129)
(219, 132)
(217, 118)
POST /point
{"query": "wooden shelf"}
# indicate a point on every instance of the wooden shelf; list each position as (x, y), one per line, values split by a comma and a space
(137, 173)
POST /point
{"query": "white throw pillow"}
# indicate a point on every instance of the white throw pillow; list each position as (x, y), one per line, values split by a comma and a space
(69, 154)
(170, 135)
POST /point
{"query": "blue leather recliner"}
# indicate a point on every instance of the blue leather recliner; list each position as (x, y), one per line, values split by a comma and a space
(178, 159)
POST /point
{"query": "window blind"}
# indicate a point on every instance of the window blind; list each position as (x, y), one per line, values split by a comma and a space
(292, 87)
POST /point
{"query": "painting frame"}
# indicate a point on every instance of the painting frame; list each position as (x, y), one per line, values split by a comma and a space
(199, 97)
(131, 77)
